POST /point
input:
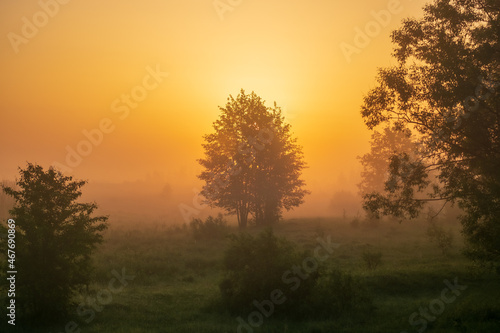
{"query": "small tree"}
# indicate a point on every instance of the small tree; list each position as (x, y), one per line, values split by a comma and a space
(384, 145)
(55, 237)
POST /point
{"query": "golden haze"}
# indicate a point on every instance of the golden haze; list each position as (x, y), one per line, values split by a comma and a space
(65, 79)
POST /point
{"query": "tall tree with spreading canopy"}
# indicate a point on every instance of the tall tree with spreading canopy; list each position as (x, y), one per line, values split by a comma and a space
(55, 237)
(252, 164)
(445, 89)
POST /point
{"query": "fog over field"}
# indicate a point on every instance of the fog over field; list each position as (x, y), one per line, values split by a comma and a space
(73, 79)
(250, 166)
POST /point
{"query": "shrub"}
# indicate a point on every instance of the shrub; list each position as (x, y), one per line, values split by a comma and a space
(57, 235)
(255, 266)
(372, 259)
(337, 292)
(212, 228)
(443, 239)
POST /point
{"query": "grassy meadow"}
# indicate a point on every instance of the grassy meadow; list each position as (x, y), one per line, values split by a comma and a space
(175, 280)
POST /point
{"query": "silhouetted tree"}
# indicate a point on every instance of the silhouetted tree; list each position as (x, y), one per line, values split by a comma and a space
(385, 145)
(6, 202)
(252, 164)
(445, 88)
(55, 237)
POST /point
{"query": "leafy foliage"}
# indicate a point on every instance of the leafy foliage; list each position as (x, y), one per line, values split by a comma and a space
(388, 148)
(255, 267)
(384, 145)
(443, 239)
(212, 228)
(445, 89)
(337, 292)
(6, 202)
(56, 236)
(252, 165)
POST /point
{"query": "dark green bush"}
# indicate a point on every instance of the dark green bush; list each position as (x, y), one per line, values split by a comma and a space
(255, 267)
(337, 292)
(212, 228)
(438, 235)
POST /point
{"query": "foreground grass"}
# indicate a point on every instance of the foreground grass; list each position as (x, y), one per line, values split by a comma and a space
(175, 283)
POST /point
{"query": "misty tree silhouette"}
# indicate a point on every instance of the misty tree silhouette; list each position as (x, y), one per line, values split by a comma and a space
(252, 165)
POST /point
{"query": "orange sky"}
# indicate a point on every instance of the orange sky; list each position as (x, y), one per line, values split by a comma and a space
(65, 75)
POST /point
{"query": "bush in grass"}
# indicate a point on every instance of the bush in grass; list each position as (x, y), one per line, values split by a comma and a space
(438, 235)
(212, 228)
(337, 292)
(57, 236)
(255, 266)
(372, 259)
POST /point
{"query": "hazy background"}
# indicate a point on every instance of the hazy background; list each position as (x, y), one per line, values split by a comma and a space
(64, 80)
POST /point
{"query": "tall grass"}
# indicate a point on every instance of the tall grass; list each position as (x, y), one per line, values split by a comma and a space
(176, 284)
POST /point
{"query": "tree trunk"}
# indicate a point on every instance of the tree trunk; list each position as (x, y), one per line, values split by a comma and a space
(242, 213)
(259, 215)
(271, 214)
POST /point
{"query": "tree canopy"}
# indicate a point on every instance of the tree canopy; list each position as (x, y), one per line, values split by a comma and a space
(384, 145)
(252, 164)
(445, 89)
(56, 236)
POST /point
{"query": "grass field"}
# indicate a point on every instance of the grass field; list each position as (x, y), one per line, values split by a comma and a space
(175, 281)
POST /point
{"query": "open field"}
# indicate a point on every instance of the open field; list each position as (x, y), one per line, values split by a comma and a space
(175, 283)
(131, 127)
